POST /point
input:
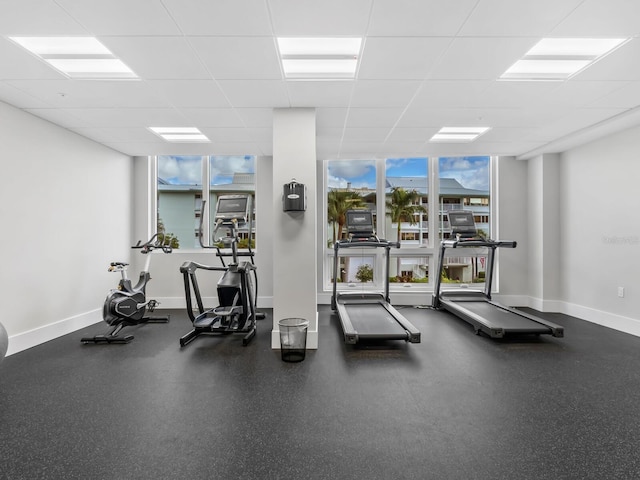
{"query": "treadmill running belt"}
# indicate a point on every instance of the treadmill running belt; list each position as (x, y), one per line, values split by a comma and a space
(372, 319)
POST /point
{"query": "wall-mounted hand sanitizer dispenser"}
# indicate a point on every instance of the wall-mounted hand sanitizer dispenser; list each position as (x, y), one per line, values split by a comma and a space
(294, 198)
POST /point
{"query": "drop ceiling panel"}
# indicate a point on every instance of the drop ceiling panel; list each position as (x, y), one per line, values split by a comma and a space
(255, 93)
(377, 134)
(457, 93)
(133, 134)
(127, 117)
(480, 58)
(190, 93)
(91, 94)
(303, 93)
(37, 17)
(325, 18)
(256, 117)
(418, 18)
(628, 96)
(17, 63)
(516, 18)
(403, 58)
(621, 64)
(158, 57)
(373, 117)
(596, 18)
(238, 57)
(212, 117)
(121, 17)
(11, 95)
(331, 117)
(59, 117)
(384, 93)
(220, 17)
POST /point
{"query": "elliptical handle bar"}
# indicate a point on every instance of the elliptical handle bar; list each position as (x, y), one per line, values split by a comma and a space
(153, 243)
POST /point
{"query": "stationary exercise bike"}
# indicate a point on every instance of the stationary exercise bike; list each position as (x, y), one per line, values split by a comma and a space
(237, 288)
(127, 304)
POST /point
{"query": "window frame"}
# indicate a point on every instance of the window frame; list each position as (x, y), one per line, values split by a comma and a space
(429, 250)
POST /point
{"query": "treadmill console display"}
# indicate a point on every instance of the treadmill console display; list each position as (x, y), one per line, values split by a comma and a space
(462, 223)
(360, 223)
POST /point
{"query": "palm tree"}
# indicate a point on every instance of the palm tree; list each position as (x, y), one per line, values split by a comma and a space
(338, 202)
(403, 206)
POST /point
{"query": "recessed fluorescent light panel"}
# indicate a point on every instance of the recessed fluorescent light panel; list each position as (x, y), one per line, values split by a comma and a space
(458, 134)
(77, 57)
(560, 58)
(180, 134)
(319, 58)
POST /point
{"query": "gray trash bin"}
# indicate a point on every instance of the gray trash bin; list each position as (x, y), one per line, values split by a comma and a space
(293, 338)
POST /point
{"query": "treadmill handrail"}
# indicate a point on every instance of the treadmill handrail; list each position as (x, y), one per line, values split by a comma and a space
(380, 243)
(479, 243)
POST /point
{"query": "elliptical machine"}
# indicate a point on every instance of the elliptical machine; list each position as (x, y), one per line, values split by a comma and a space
(237, 288)
(126, 305)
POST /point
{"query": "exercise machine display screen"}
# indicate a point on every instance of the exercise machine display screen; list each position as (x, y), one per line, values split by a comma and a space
(232, 206)
(462, 223)
(360, 222)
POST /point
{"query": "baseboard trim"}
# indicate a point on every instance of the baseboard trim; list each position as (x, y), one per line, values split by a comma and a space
(31, 338)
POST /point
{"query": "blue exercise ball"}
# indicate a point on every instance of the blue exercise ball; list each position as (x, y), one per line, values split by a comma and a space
(4, 342)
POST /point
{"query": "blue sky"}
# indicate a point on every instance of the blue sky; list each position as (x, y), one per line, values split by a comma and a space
(187, 170)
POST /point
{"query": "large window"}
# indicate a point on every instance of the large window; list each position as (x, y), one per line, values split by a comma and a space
(181, 190)
(418, 194)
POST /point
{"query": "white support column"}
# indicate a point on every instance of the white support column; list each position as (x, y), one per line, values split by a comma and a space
(294, 233)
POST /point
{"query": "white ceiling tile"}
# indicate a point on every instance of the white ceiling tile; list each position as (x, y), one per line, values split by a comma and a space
(384, 93)
(191, 93)
(255, 93)
(13, 96)
(233, 135)
(596, 18)
(17, 63)
(373, 117)
(59, 117)
(627, 96)
(121, 17)
(212, 117)
(418, 18)
(480, 58)
(256, 117)
(451, 94)
(239, 57)
(37, 17)
(358, 133)
(220, 17)
(132, 134)
(412, 134)
(331, 117)
(326, 18)
(516, 18)
(127, 117)
(91, 94)
(303, 93)
(158, 57)
(621, 64)
(402, 58)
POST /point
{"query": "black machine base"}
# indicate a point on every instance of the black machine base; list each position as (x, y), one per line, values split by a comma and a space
(112, 336)
(219, 325)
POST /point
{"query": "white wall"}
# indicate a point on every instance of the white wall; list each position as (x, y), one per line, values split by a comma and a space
(65, 208)
(600, 231)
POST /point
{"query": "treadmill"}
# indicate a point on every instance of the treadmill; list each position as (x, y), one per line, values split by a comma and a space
(368, 315)
(476, 307)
